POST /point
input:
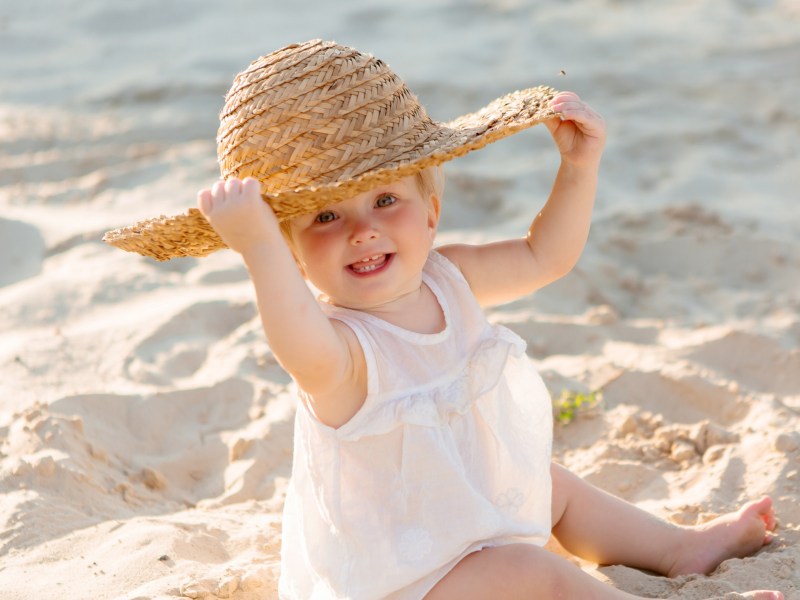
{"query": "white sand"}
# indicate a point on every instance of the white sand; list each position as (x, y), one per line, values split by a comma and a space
(145, 426)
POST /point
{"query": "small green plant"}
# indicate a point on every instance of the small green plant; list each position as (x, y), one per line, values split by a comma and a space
(567, 406)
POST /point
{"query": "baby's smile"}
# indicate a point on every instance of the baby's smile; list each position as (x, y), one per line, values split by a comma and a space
(370, 264)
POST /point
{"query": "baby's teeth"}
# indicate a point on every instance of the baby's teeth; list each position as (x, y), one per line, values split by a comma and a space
(368, 267)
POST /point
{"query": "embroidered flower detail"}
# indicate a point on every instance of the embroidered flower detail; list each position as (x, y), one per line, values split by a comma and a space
(511, 500)
(415, 544)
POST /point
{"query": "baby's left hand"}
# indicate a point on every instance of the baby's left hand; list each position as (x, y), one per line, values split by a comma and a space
(578, 131)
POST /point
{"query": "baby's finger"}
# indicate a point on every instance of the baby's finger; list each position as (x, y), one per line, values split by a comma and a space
(572, 107)
(562, 96)
(218, 193)
(233, 186)
(562, 99)
(582, 115)
(251, 186)
(204, 201)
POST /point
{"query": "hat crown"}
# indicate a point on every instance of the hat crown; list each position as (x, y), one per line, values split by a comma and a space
(315, 114)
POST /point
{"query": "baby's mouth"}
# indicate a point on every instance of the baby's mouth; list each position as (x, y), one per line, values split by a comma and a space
(368, 265)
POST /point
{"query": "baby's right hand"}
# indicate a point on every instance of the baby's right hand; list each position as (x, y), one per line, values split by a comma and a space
(236, 211)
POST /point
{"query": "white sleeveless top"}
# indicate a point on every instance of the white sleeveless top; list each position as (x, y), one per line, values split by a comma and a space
(450, 453)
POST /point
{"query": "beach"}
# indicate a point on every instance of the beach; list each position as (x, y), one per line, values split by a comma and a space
(145, 426)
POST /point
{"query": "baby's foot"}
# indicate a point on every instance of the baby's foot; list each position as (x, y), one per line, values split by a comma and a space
(734, 535)
(763, 595)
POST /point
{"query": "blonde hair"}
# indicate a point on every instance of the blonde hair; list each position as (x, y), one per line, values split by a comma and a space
(430, 181)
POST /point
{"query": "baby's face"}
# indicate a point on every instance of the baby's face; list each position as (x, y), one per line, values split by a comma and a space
(369, 250)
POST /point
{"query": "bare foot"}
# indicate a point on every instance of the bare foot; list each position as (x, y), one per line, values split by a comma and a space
(734, 535)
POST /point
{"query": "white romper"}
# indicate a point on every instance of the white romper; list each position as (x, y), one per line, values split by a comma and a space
(450, 453)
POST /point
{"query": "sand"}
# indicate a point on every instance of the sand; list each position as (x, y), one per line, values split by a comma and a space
(145, 427)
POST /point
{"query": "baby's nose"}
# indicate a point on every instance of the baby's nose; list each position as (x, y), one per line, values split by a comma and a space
(363, 231)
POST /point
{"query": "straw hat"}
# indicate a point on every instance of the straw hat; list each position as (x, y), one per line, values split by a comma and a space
(317, 123)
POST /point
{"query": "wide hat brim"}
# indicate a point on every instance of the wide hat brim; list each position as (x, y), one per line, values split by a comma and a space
(190, 234)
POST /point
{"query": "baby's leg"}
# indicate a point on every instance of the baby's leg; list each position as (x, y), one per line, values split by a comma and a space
(607, 530)
(527, 572)
(599, 527)
(520, 572)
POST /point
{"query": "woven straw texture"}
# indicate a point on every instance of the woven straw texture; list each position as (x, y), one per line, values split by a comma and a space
(317, 123)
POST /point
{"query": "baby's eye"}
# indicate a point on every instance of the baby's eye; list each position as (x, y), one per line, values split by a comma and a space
(385, 201)
(325, 217)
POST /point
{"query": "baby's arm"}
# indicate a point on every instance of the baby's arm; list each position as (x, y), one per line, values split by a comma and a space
(507, 270)
(324, 359)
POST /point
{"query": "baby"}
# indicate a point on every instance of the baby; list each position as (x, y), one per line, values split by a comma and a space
(422, 453)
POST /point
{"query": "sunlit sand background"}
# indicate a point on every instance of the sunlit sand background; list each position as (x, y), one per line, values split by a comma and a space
(145, 427)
